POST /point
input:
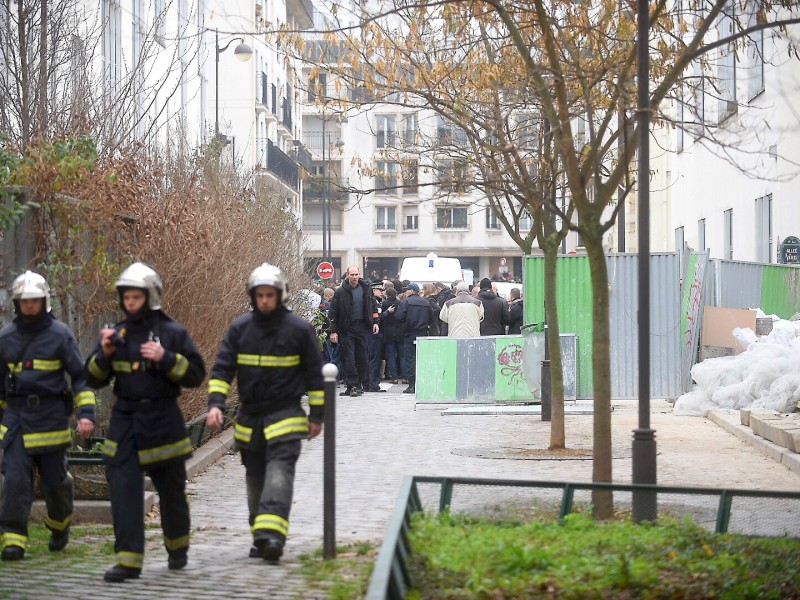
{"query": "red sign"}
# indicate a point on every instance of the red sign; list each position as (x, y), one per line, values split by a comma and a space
(325, 270)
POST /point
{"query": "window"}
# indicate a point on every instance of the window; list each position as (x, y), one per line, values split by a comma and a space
(160, 21)
(386, 218)
(755, 52)
(698, 97)
(681, 120)
(492, 222)
(447, 133)
(451, 217)
(409, 130)
(318, 87)
(386, 177)
(701, 234)
(525, 221)
(726, 70)
(579, 132)
(727, 234)
(385, 134)
(410, 170)
(452, 175)
(764, 229)
(411, 216)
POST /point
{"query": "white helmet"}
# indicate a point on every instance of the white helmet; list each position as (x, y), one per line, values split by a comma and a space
(142, 277)
(267, 274)
(30, 285)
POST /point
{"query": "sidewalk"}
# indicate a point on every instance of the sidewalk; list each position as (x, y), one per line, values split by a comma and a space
(381, 438)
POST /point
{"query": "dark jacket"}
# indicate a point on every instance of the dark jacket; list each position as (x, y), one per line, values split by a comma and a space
(33, 361)
(276, 358)
(390, 326)
(441, 298)
(342, 311)
(515, 316)
(147, 392)
(433, 328)
(495, 313)
(416, 314)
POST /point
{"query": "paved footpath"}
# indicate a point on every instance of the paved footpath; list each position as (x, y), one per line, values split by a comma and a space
(381, 438)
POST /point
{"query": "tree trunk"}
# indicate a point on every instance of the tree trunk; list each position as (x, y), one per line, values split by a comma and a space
(41, 121)
(602, 500)
(557, 432)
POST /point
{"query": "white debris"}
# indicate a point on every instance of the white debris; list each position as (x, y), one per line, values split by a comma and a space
(765, 375)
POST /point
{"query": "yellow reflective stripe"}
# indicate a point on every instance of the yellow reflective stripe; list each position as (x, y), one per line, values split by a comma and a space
(271, 522)
(219, 386)
(3, 431)
(159, 453)
(85, 398)
(109, 447)
(14, 539)
(267, 360)
(286, 426)
(15, 367)
(3, 404)
(95, 370)
(316, 398)
(242, 433)
(41, 364)
(58, 525)
(46, 438)
(122, 366)
(130, 559)
(177, 543)
(180, 368)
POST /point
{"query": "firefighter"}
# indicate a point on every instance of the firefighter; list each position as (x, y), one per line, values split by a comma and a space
(276, 357)
(150, 357)
(36, 351)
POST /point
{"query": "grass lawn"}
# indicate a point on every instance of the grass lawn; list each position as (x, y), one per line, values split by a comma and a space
(457, 557)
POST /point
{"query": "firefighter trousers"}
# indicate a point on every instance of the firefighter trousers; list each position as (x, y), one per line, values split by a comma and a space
(56, 486)
(126, 486)
(270, 485)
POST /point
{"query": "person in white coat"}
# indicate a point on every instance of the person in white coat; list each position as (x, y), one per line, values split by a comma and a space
(463, 314)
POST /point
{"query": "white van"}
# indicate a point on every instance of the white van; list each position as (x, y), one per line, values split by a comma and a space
(430, 269)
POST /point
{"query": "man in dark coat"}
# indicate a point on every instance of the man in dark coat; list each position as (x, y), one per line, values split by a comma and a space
(495, 310)
(515, 312)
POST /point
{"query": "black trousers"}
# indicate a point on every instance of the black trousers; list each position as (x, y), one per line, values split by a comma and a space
(18, 469)
(355, 350)
(126, 485)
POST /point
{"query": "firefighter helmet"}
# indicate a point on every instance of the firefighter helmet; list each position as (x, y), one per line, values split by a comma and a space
(267, 274)
(30, 285)
(142, 277)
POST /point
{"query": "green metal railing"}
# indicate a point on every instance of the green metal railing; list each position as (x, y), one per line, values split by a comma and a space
(391, 577)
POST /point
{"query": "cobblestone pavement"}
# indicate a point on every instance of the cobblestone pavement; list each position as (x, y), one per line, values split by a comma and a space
(381, 438)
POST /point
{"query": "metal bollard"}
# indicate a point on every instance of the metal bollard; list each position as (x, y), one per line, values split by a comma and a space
(547, 403)
(329, 374)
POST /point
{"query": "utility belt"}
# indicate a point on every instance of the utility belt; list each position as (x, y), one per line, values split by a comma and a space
(33, 400)
(144, 405)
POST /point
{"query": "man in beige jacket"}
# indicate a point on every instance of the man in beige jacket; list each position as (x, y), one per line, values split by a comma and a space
(463, 314)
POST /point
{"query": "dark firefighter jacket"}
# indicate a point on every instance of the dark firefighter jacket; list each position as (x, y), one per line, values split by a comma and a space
(34, 391)
(342, 311)
(147, 392)
(276, 359)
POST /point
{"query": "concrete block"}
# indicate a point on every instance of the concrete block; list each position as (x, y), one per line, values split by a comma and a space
(89, 511)
(790, 437)
(744, 417)
(758, 423)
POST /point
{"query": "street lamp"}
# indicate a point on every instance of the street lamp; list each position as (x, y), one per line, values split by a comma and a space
(326, 191)
(244, 53)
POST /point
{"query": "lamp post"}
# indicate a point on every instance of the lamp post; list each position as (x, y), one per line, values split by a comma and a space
(243, 52)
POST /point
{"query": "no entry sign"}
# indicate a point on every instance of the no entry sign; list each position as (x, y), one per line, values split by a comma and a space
(325, 270)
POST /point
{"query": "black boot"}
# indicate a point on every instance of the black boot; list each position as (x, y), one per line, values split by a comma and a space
(58, 540)
(347, 391)
(119, 573)
(177, 560)
(271, 550)
(255, 552)
(13, 553)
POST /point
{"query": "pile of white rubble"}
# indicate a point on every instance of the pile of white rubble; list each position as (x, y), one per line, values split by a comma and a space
(766, 375)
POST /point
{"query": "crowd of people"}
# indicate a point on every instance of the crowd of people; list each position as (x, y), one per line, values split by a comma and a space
(369, 326)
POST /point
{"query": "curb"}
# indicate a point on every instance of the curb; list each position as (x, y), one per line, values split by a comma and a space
(99, 511)
(731, 423)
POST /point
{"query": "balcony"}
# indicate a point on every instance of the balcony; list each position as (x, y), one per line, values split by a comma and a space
(313, 140)
(282, 166)
(336, 189)
(262, 93)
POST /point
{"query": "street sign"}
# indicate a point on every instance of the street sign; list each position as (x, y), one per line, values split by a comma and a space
(789, 251)
(325, 270)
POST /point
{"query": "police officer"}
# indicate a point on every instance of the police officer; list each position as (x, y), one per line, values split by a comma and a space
(36, 351)
(150, 357)
(276, 357)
